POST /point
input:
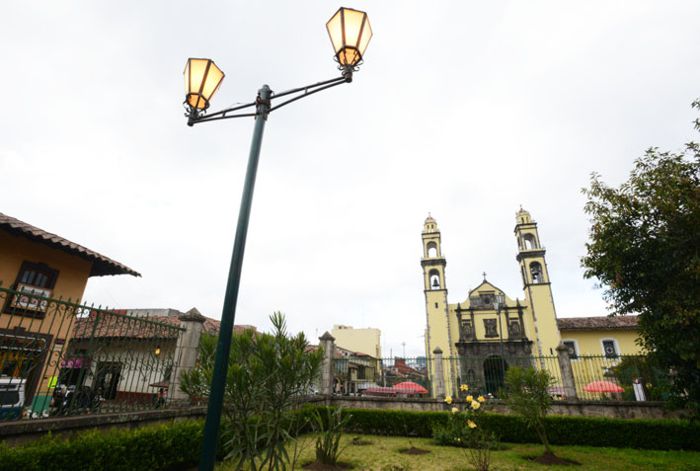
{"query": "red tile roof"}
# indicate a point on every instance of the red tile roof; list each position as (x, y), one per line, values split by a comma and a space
(101, 265)
(598, 323)
(118, 325)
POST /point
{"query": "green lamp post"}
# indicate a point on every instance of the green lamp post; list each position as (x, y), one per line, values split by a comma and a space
(350, 33)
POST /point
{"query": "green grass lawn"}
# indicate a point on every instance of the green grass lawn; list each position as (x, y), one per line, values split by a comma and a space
(383, 455)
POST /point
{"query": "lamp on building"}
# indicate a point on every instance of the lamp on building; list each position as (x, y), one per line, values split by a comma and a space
(156, 352)
(350, 33)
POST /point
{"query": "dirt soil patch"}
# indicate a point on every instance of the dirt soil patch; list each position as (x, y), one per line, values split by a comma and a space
(359, 441)
(552, 459)
(413, 451)
(327, 467)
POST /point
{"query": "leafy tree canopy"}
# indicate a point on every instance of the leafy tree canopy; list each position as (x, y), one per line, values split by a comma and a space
(644, 248)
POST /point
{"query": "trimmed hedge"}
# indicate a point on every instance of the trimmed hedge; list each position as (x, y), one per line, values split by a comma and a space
(561, 430)
(176, 446)
(172, 446)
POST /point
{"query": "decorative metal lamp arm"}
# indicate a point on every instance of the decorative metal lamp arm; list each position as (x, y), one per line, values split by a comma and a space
(196, 116)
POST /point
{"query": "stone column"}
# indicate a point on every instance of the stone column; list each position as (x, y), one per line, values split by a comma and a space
(567, 372)
(439, 383)
(186, 350)
(328, 345)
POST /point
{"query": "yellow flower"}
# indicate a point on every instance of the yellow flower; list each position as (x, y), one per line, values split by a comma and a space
(464, 387)
(481, 399)
(471, 424)
(470, 398)
(448, 399)
(455, 410)
(475, 405)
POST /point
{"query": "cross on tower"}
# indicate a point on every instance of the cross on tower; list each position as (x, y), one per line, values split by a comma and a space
(484, 274)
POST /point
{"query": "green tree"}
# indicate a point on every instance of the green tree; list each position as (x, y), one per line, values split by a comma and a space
(644, 249)
(267, 374)
(527, 394)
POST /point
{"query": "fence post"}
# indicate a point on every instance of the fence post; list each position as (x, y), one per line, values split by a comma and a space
(439, 374)
(567, 372)
(328, 346)
(186, 350)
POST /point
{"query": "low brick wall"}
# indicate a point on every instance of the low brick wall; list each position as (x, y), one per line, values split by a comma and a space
(20, 431)
(617, 409)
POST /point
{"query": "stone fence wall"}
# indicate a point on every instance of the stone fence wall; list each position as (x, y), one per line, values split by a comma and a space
(27, 430)
(617, 409)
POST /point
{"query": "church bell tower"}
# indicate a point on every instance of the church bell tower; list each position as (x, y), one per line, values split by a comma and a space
(536, 284)
(438, 334)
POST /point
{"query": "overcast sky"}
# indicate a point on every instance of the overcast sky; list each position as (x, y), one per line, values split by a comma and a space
(464, 109)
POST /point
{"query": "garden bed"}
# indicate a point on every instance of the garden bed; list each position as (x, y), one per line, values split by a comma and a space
(384, 455)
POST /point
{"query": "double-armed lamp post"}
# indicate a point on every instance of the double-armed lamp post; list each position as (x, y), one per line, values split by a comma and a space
(350, 33)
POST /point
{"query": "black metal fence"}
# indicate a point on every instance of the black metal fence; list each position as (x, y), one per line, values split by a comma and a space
(61, 358)
(593, 377)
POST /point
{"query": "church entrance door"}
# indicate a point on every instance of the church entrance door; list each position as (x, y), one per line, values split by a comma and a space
(494, 374)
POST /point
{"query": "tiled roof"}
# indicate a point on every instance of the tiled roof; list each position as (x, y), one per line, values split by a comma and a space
(118, 325)
(598, 323)
(101, 265)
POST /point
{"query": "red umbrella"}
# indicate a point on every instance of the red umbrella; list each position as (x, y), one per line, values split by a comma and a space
(603, 387)
(409, 387)
(380, 391)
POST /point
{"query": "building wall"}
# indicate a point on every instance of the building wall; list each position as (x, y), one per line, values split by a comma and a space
(364, 340)
(590, 342)
(73, 271)
(55, 326)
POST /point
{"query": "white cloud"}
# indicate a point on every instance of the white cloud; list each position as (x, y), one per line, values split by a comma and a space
(464, 109)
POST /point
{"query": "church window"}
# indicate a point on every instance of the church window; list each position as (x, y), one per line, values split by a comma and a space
(610, 348)
(529, 242)
(571, 345)
(467, 331)
(432, 250)
(490, 328)
(536, 272)
(514, 329)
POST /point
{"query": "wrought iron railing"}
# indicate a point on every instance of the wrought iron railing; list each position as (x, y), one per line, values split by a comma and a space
(592, 377)
(60, 358)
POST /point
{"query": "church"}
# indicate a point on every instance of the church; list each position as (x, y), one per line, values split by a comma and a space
(479, 337)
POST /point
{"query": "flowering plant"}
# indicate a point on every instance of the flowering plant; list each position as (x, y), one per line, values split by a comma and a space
(464, 429)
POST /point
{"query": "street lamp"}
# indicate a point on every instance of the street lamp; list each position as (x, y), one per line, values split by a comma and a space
(350, 33)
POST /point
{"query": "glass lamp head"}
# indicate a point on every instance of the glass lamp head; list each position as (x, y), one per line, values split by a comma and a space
(202, 79)
(350, 33)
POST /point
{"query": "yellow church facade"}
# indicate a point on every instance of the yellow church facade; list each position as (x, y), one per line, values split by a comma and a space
(476, 339)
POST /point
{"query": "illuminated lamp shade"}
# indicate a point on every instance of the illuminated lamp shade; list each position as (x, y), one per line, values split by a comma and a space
(350, 33)
(202, 79)
(156, 351)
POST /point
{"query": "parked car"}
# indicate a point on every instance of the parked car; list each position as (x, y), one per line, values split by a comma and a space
(11, 397)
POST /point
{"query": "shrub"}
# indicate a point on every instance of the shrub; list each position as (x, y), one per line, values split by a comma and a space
(464, 428)
(652, 434)
(161, 447)
(330, 431)
(528, 396)
(267, 373)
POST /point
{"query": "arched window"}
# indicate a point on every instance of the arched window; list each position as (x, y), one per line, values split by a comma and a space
(529, 242)
(536, 272)
(434, 277)
(432, 250)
